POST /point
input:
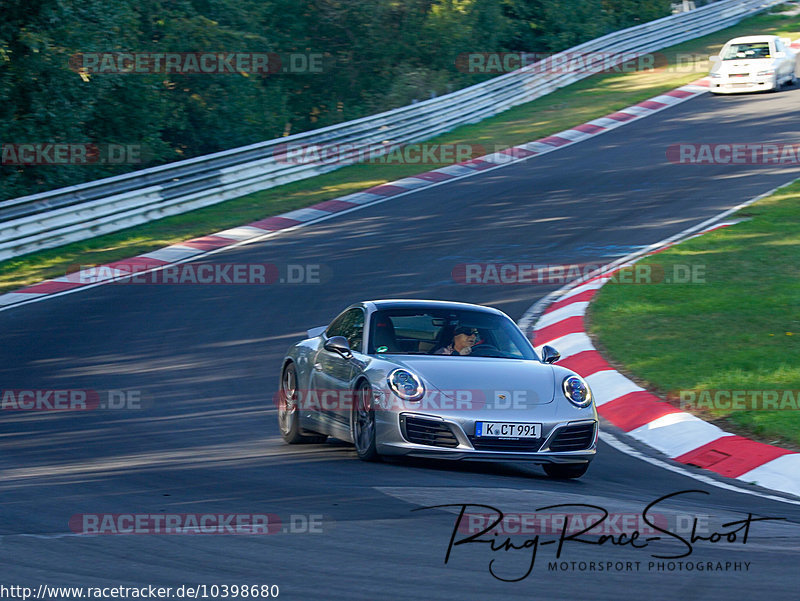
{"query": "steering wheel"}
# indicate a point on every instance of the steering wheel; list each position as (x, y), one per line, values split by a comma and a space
(486, 350)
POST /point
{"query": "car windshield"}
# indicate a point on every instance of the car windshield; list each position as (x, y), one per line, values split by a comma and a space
(459, 333)
(748, 50)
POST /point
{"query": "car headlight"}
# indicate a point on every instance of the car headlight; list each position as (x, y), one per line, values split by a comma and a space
(767, 72)
(714, 75)
(577, 391)
(406, 385)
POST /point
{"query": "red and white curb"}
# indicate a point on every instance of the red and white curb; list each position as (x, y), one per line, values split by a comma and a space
(679, 435)
(258, 230)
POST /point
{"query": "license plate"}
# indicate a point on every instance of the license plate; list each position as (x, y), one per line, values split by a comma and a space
(507, 430)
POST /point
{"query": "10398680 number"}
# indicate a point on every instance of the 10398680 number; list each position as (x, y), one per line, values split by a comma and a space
(237, 591)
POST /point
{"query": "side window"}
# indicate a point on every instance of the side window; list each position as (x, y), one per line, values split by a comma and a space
(349, 324)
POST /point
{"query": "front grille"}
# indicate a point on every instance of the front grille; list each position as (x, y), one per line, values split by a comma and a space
(427, 431)
(495, 444)
(573, 438)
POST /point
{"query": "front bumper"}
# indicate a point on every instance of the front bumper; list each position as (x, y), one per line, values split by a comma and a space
(725, 85)
(453, 440)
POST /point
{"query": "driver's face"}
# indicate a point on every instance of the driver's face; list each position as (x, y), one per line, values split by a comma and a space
(464, 340)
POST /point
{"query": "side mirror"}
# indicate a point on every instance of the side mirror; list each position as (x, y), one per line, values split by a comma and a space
(339, 344)
(549, 354)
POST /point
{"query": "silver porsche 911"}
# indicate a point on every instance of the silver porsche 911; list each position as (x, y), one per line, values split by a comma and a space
(436, 379)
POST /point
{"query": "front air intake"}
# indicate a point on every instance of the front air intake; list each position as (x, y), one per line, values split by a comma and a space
(431, 432)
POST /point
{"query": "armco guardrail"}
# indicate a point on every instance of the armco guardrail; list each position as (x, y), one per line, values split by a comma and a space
(79, 212)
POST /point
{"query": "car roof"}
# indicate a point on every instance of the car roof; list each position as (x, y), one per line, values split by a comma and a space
(404, 303)
(752, 38)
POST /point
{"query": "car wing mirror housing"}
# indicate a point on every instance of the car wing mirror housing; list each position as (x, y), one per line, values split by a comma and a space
(549, 354)
(339, 344)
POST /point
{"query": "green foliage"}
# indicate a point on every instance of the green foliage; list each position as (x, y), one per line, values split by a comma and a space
(378, 54)
(567, 107)
(736, 328)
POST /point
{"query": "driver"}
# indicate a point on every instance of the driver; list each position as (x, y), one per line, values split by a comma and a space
(464, 339)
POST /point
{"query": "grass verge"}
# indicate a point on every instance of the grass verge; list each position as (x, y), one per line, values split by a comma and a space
(565, 108)
(736, 328)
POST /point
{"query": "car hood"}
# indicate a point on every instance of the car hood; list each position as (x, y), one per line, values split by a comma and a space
(745, 65)
(493, 381)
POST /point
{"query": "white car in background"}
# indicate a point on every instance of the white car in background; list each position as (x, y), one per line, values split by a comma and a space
(752, 64)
